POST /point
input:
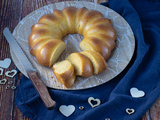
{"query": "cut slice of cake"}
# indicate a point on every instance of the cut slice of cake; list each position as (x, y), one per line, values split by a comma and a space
(99, 63)
(83, 66)
(64, 72)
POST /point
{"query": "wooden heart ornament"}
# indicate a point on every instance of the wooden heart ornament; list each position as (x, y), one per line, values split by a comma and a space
(136, 93)
(1, 71)
(11, 73)
(3, 81)
(130, 111)
(94, 102)
(67, 110)
(5, 63)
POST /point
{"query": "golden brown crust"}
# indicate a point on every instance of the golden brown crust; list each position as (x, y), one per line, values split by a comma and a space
(99, 35)
(45, 53)
(83, 66)
(101, 28)
(97, 31)
(70, 16)
(98, 62)
(38, 35)
(79, 15)
(66, 76)
(89, 16)
(62, 20)
(96, 45)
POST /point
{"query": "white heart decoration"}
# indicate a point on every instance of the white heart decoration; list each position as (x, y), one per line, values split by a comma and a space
(1, 71)
(130, 111)
(5, 63)
(66, 110)
(136, 93)
(12, 72)
(107, 119)
(3, 81)
(90, 99)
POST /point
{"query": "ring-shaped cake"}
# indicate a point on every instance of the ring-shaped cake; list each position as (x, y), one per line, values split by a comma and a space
(98, 34)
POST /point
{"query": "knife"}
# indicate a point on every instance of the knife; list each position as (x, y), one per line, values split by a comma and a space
(31, 72)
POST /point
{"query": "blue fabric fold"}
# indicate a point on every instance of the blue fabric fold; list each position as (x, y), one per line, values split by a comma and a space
(143, 72)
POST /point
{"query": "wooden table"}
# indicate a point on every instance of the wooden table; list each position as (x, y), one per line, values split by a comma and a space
(11, 13)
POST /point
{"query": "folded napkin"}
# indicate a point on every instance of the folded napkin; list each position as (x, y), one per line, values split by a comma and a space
(117, 103)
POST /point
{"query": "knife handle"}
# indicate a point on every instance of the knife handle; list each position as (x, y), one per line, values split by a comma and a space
(42, 90)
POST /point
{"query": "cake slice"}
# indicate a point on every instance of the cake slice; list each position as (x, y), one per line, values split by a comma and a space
(99, 64)
(96, 45)
(83, 66)
(64, 72)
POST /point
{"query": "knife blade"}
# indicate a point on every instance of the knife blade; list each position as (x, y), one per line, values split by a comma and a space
(31, 72)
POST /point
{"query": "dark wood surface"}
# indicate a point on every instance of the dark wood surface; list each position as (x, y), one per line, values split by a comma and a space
(11, 13)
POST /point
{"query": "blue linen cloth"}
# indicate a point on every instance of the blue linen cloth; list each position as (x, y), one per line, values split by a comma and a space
(143, 72)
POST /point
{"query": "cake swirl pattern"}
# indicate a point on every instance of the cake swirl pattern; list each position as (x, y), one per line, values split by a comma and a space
(47, 45)
(119, 59)
(46, 41)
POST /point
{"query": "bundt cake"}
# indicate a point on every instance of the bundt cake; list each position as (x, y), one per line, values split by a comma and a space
(46, 42)
(98, 62)
(82, 64)
(46, 36)
(64, 72)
